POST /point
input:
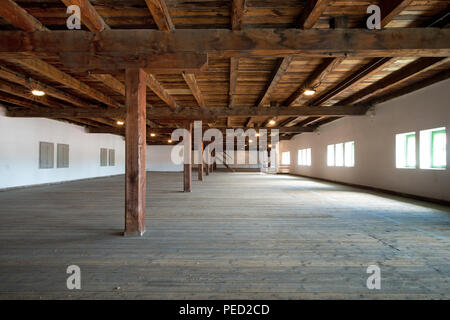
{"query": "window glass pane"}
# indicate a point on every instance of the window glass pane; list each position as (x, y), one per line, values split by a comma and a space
(433, 149)
(286, 158)
(299, 160)
(405, 150)
(339, 155)
(308, 157)
(439, 157)
(330, 155)
(410, 152)
(350, 154)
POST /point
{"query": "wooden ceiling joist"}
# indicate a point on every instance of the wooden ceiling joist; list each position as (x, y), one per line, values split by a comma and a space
(311, 13)
(391, 8)
(191, 81)
(31, 84)
(89, 16)
(314, 79)
(237, 14)
(414, 68)
(19, 17)
(160, 13)
(279, 71)
(234, 73)
(162, 93)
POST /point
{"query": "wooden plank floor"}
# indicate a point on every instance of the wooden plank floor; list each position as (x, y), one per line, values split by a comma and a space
(237, 235)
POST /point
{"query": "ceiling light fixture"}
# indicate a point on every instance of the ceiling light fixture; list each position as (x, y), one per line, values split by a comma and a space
(152, 134)
(38, 93)
(169, 141)
(310, 92)
(120, 123)
(272, 122)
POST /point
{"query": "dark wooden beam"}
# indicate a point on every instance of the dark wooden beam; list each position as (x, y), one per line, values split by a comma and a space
(311, 13)
(234, 73)
(135, 174)
(414, 68)
(197, 114)
(187, 175)
(314, 79)
(404, 42)
(279, 71)
(89, 16)
(161, 92)
(372, 67)
(237, 14)
(191, 81)
(391, 8)
(200, 165)
(420, 84)
(160, 13)
(19, 17)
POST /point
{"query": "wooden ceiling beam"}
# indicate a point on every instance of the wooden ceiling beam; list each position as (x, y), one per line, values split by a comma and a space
(392, 8)
(31, 84)
(234, 73)
(404, 42)
(161, 15)
(237, 14)
(191, 81)
(366, 71)
(279, 71)
(197, 114)
(311, 13)
(413, 69)
(19, 17)
(314, 79)
(162, 93)
(89, 15)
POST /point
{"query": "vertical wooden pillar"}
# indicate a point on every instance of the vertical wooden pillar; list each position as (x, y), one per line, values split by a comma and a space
(207, 165)
(214, 163)
(135, 149)
(188, 167)
(200, 166)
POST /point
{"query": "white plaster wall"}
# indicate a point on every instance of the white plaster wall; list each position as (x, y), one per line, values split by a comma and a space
(159, 159)
(19, 152)
(374, 139)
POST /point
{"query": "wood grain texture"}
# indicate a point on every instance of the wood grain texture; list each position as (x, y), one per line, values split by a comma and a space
(135, 144)
(296, 239)
(160, 14)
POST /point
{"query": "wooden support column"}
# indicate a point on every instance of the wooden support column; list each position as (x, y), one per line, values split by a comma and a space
(207, 165)
(188, 166)
(135, 182)
(214, 165)
(200, 166)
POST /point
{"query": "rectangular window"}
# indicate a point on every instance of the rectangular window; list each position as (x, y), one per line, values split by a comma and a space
(46, 155)
(62, 155)
(330, 155)
(285, 158)
(350, 154)
(308, 157)
(304, 157)
(339, 155)
(433, 149)
(103, 157)
(405, 149)
(112, 157)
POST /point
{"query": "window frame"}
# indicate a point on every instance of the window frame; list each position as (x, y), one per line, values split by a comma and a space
(407, 137)
(433, 134)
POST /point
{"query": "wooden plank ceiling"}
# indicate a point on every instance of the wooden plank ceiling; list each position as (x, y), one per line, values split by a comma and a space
(237, 83)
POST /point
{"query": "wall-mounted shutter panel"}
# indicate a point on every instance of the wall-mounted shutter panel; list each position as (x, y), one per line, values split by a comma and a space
(46, 155)
(112, 157)
(63, 156)
(103, 157)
